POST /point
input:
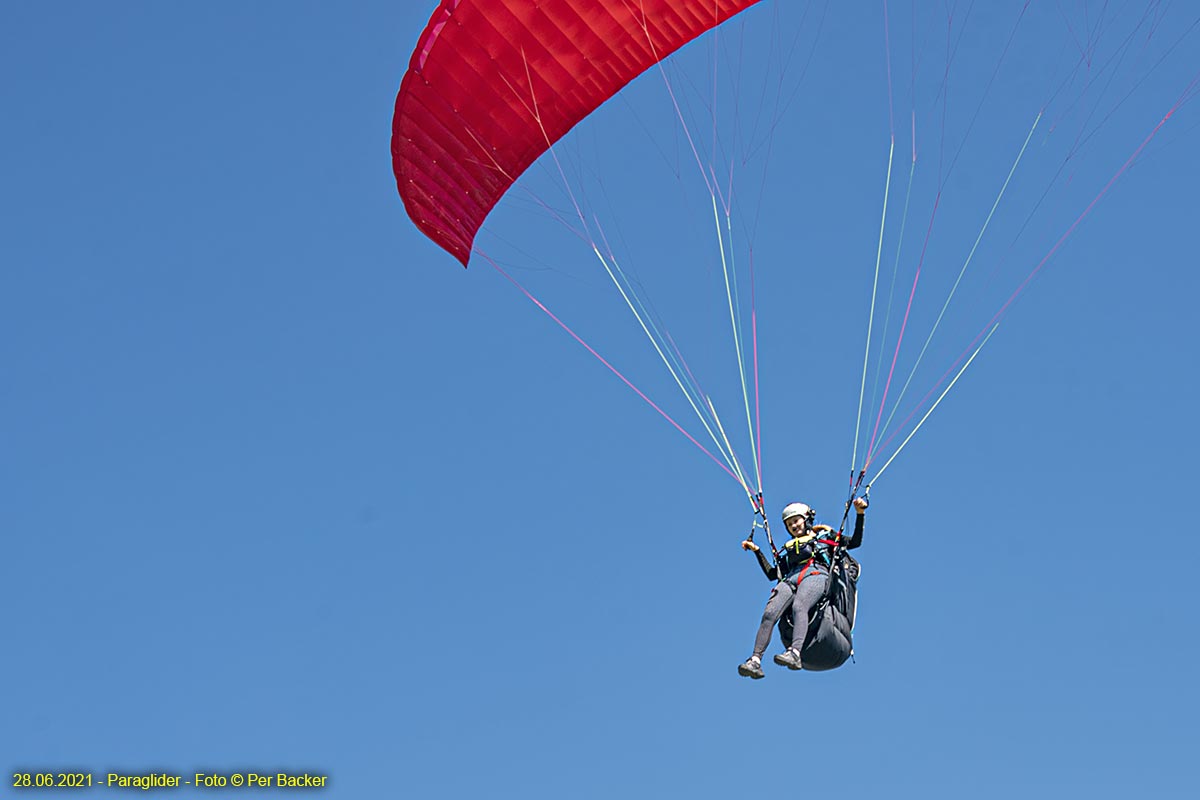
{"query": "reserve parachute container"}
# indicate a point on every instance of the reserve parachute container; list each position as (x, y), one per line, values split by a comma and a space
(829, 643)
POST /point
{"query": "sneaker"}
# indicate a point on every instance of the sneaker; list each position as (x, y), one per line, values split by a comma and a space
(789, 658)
(752, 668)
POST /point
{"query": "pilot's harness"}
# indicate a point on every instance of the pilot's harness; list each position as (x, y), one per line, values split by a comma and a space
(831, 557)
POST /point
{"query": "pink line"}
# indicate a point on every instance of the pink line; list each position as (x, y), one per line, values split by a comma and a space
(611, 368)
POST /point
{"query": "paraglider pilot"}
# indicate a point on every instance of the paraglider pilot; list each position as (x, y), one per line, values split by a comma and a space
(802, 573)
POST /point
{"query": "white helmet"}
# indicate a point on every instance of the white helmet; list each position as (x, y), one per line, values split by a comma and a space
(798, 510)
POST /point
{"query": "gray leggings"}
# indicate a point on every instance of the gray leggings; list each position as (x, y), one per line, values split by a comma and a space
(802, 599)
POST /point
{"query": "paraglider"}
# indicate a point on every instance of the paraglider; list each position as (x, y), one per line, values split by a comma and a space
(493, 85)
(490, 88)
(815, 616)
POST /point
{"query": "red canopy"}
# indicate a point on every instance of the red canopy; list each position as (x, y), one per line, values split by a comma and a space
(493, 83)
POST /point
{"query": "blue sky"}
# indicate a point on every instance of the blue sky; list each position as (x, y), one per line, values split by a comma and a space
(288, 489)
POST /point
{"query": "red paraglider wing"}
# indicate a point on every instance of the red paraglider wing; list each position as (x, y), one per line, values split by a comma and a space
(494, 83)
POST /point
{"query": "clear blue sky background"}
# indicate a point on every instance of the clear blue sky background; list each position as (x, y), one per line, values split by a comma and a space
(286, 488)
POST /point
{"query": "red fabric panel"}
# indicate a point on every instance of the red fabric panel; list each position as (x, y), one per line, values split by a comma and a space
(465, 126)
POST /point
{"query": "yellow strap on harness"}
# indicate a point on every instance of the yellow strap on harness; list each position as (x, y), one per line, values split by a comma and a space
(800, 541)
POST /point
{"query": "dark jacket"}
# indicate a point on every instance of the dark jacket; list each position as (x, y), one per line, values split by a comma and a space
(792, 559)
